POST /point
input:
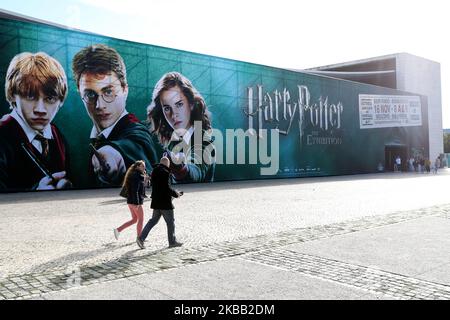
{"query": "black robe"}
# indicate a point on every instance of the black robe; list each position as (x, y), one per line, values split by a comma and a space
(133, 141)
(17, 171)
(202, 171)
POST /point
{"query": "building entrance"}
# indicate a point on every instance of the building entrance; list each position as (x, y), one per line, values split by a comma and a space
(391, 153)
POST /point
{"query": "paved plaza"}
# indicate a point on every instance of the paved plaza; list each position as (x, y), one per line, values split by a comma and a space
(377, 236)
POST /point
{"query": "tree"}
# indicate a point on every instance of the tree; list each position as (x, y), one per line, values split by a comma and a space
(447, 142)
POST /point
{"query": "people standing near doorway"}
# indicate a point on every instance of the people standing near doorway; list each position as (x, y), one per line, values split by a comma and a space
(134, 184)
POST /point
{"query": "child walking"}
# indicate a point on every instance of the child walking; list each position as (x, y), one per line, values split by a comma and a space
(134, 184)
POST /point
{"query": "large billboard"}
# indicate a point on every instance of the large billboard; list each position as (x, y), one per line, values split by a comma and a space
(78, 109)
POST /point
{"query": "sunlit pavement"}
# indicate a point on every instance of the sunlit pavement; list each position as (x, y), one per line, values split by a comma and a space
(378, 236)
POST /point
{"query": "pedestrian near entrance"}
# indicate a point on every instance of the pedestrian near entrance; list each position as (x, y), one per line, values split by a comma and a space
(422, 165)
(162, 194)
(437, 165)
(398, 164)
(411, 164)
(427, 165)
(416, 164)
(134, 186)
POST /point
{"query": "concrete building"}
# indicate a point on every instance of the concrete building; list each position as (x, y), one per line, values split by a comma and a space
(402, 71)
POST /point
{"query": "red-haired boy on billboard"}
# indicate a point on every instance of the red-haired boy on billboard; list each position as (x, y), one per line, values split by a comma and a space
(32, 150)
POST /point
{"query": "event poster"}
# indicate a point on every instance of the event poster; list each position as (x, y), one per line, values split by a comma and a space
(78, 109)
(382, 111)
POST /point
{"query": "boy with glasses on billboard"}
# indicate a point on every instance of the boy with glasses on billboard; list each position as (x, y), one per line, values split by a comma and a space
(118, 139)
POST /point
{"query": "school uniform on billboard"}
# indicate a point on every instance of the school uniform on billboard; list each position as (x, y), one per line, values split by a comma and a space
(18, 172)
(201, 170)
(130, 138)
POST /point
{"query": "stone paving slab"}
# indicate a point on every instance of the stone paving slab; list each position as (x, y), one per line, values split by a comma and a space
(123, 289)
(231, 278)
(366, 278)
(445, 215)
(56, 279)
(439, 274)
(415, 248)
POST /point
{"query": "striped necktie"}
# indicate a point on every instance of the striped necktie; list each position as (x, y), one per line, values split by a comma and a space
(44, 144)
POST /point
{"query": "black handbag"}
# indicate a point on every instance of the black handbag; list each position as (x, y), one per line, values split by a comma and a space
(124, 192)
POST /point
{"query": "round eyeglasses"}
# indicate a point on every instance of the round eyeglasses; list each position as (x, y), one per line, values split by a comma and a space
(91, 97)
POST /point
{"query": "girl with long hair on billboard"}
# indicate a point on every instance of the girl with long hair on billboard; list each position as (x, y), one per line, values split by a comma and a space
(177, 109)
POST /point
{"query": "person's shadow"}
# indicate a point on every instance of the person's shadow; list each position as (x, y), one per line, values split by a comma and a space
(117, 266)
(77, 256)
(105, 203)
(73, 258)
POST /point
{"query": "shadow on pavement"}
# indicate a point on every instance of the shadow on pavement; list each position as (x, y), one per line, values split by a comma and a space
(120, 265)
(77, 256)
(105, 203)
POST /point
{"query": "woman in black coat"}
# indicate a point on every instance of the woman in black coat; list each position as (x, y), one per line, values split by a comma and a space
(134, 184)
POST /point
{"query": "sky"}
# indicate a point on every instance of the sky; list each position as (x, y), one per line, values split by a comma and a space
(291, 34)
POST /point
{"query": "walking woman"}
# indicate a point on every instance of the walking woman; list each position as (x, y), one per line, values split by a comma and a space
(134, 184)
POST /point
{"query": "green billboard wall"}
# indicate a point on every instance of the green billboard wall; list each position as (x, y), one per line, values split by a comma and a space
(318, 120)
